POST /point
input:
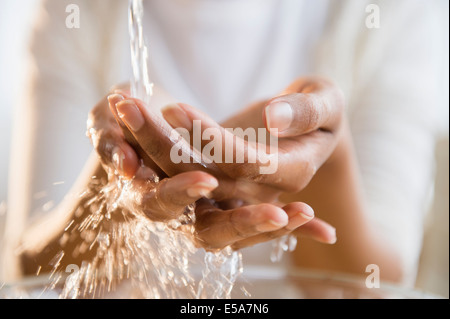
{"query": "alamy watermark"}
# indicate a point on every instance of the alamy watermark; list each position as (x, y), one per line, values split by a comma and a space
(73, 17)
(227, 146)
(372, 20)
(373, 279)
(373, 17)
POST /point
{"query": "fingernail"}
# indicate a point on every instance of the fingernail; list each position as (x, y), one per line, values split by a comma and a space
(202, 189)
(176, 116)
(279, 116)
(113, 99)
(130, 114)
(307, 213)
(305, 216)
(298, 220)
(118, 157)
(269, 225)
(333, 238)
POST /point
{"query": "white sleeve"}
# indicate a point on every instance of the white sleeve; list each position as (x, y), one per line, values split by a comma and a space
(52, 113)
(393, 121)
(68, 71)
(67, 75)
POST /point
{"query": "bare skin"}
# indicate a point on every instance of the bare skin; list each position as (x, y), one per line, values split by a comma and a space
(316, 166)
(220, 223)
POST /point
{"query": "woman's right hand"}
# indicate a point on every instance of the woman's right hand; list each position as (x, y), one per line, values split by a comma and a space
(162, 198)
(109, 141)
(159, 201)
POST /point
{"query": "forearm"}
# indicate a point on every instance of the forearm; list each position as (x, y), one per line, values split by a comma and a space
(336, 195)
(44, 239)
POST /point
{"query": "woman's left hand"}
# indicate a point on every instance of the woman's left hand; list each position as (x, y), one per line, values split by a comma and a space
(307, 116)
(306, 119)
(237, 225)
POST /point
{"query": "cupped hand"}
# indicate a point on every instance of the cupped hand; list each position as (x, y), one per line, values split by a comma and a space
(121, 147)
(218, 226)
(306, 119)
(157, 196)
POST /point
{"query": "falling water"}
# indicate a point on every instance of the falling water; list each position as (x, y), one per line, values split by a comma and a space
(141, 86)
(281, 245)
(134, 256)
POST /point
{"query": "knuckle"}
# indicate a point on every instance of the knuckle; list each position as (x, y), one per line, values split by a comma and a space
(246, 171)
(312, 113)
(153, 206)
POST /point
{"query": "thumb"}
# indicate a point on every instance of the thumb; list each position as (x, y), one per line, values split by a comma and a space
(303, 109)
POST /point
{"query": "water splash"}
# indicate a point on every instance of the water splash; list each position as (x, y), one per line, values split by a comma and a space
(281, 245)
(132, 255)
(136, 257)
(222, 269)
(141, 86)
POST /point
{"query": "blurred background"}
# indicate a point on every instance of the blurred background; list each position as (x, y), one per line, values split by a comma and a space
(15, 19)
(15, 23)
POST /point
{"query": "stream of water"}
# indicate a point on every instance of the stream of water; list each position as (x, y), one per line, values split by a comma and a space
(132, 256)
(137, 257)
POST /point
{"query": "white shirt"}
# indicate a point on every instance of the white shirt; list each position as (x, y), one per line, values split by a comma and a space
(219, 56)
(222, 55)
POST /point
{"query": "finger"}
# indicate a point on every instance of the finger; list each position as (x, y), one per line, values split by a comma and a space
(109, 142)
(157, 138)
(306, 106)
(318, 230)
(237, 153)
(164, 145)
(125, 160)
(114, 99)
(170, 197)
(299, 214)
(217, 228)
(288, 165)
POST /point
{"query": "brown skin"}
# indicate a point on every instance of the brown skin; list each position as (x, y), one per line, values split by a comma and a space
(317, 162)
(219, 224)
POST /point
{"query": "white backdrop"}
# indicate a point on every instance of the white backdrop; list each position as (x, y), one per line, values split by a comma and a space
(15, 20)
(15, 23)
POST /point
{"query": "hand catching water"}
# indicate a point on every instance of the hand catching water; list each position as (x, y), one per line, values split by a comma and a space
(310, 127)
